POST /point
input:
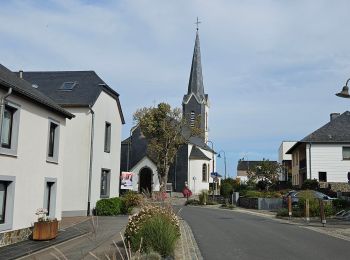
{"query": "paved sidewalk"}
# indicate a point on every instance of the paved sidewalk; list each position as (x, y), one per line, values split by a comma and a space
(75, 241)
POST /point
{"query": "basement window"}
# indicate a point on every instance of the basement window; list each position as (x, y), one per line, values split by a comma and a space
(68, 86)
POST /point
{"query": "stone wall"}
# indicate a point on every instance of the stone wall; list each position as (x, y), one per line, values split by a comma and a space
(339, 186)
(249, 203)
(15, 236)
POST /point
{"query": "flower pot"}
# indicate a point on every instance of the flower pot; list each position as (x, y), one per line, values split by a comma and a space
(45, 230)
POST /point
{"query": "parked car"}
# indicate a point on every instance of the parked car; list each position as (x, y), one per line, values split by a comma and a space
(297, 194)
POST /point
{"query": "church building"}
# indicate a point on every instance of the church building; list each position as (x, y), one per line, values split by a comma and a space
(194, 161)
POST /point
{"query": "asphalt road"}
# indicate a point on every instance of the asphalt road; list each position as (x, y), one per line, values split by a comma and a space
(223, 234)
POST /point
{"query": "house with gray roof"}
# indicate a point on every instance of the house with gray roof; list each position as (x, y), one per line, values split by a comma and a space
(32, 144)
(244, 166)
(324, 155)
(194, 161)
(92, 147)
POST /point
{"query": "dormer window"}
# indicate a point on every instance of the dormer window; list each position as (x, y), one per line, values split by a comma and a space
(68, 86)
(192, 118)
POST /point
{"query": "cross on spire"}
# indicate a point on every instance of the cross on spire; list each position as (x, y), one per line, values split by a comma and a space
(197, 23)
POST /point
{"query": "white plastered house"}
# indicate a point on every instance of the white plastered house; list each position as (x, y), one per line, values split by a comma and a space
(92, 147)
(324, 155)
(31, 156)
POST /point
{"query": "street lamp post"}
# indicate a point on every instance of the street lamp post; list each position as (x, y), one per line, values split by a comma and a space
(344, 93)
(219, 156)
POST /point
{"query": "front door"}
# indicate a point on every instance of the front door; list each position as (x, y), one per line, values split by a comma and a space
(145, 182)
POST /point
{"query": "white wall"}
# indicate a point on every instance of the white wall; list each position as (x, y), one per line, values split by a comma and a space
(29, 166)
(195, 170)
(145, 162)
(106, 110)
(76, 163)
(329, 158)
(284, 147)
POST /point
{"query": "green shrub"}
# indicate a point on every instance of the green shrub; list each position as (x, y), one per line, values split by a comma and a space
(158, 234)
(310, 185)
(192, 202)
(130, 199)
(109, 207)
(226, 189)
(253, 194)
(282, 212)
(340, 204)
(157, 226)
(203, 197)
(314, 207)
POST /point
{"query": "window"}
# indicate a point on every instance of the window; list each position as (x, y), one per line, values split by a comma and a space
(208, 170)
(105, 179)
(346, 153)
(48, 200)
(53, 142)
(322, 176)
(68, 86)
(50, 197)
(7, 192)
(204, 173)
(206, 121)
(3, 192)
(107, 137)
(192, 118)
(9, 129)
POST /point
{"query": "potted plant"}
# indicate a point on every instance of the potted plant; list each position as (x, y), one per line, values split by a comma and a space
(45, 228)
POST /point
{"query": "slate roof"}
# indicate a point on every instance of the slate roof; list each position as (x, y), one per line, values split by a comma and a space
(195, 140)
(335, 131)
(195, 84)
(243, 165)
(88, 87)
(25, 89)
(197, 154)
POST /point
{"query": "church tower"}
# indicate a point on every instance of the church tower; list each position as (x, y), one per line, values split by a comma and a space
(195, 103)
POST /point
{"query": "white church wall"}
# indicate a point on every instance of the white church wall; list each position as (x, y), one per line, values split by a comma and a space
(145, 162)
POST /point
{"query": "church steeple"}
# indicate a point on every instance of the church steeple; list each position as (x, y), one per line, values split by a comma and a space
(196, 103)
(195, 84)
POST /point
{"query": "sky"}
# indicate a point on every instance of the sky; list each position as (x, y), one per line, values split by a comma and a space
(271, 68)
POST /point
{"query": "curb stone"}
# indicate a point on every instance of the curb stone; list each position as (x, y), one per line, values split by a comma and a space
(187, 247)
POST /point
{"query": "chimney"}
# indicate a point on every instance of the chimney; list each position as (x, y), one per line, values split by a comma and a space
(334, 116)
(21, 74)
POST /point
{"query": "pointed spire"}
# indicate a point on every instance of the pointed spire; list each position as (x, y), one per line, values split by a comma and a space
(195, 84)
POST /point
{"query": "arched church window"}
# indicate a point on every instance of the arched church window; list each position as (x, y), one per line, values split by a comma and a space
(208, 171)
(204, 172)
(192, 118)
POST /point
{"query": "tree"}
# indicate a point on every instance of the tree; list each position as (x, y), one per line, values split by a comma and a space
(266, 173)
(166, 130)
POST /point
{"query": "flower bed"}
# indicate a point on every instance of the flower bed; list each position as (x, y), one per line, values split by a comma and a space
(154, 228)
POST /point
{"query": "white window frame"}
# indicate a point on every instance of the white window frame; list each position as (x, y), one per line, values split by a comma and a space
(12, 151)
(9, 204)
(54, 158)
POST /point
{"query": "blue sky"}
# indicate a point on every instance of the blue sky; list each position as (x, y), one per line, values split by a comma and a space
(271, 68)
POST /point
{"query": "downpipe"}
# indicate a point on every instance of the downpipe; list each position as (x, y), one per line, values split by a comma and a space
(91, 158)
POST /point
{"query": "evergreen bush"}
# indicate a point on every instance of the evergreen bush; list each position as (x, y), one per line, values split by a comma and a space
(109, 207)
